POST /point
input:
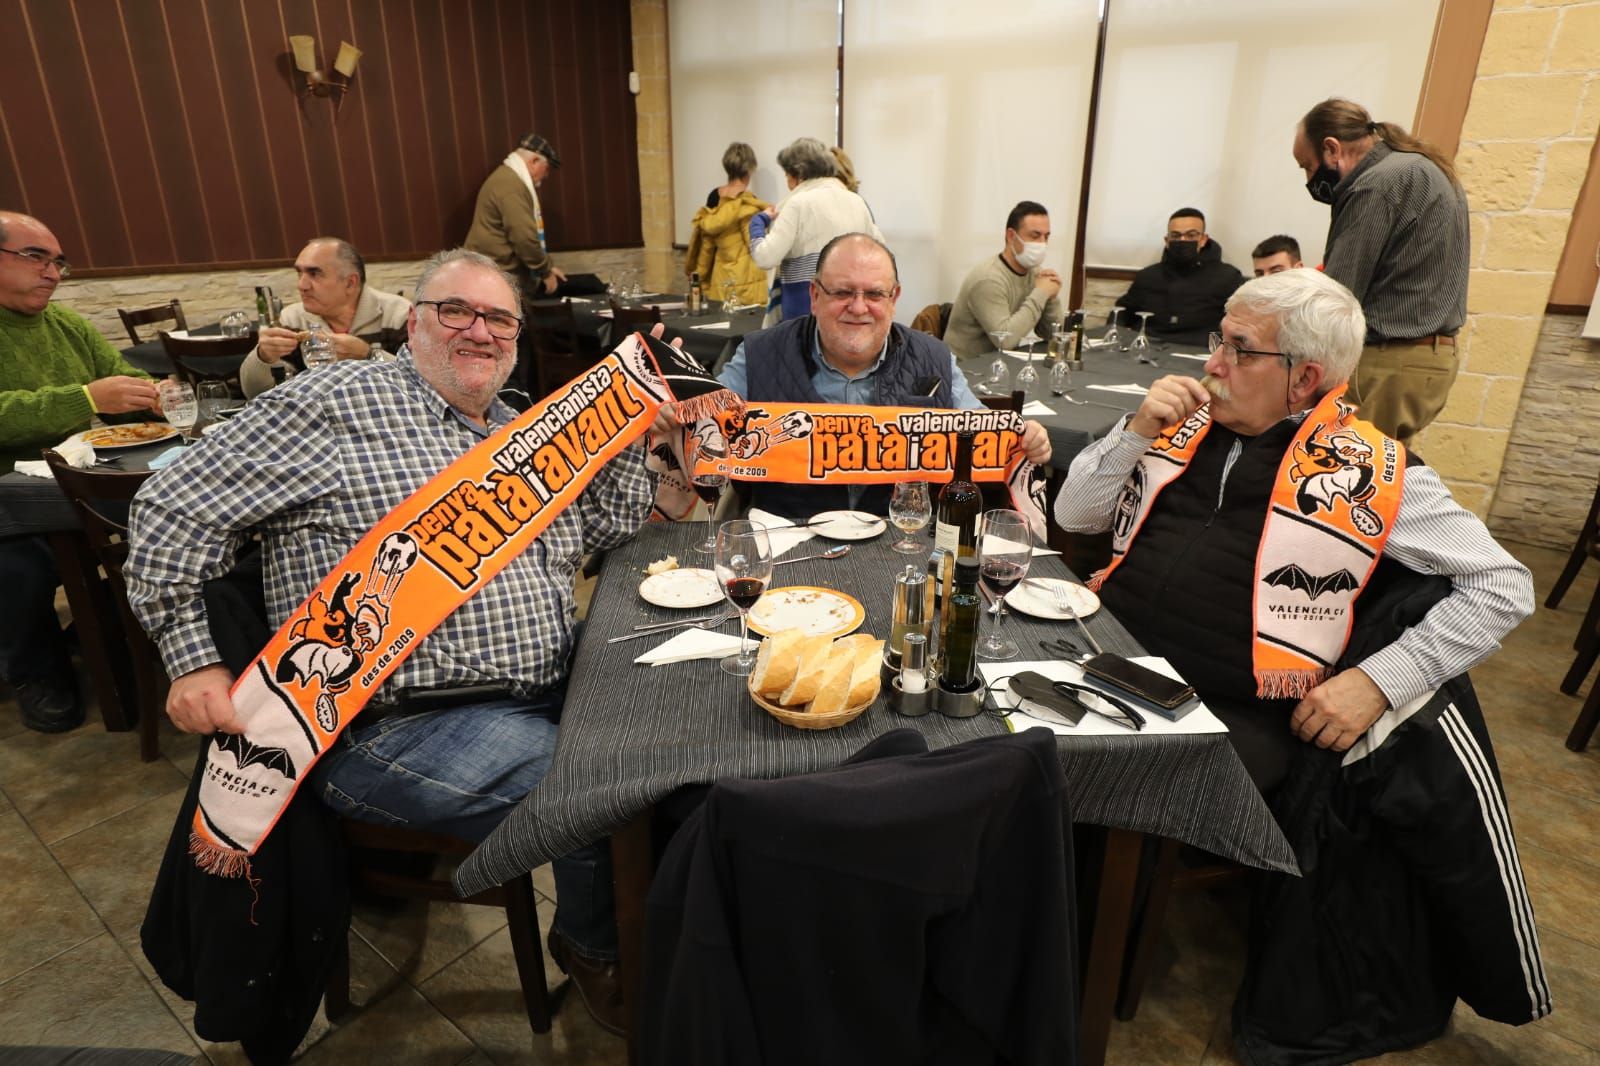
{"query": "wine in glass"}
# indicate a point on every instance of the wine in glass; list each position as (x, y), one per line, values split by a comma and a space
(1005, 551)
(1141, 343)
(179, 405)
(1113, 336)
(709, 488)
(744, 567)
(910, 508)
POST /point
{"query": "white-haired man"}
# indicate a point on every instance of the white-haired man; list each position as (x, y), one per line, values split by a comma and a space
(1248, 512)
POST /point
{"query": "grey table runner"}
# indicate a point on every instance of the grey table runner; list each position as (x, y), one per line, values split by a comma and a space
(630, 735)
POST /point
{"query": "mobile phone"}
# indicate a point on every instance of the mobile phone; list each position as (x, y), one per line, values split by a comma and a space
(1140, 681)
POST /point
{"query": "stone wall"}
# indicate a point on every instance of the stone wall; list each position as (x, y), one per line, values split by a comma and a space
(1525, 147)
(208, 295)
(1552, 462)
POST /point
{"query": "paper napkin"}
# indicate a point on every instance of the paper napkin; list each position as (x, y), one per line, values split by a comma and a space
(781, 541)
(691, 644)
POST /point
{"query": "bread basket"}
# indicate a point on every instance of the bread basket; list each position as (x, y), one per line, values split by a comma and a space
(801, 719)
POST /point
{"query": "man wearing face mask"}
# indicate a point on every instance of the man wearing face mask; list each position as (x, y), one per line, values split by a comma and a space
(1186, 291)
(1398, 239)
(1011, 291)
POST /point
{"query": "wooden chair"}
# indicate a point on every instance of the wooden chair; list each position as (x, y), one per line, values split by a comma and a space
(626, 320)
(934, 319)
(1587, 545)
(516, 896)
(100, 498)
(198, 359)
(1587, 641)
(172, 311)
(554, 351)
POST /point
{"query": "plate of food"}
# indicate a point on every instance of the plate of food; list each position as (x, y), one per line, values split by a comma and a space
(681, 587)
(818, 611)
(126, 435)
(1036, 596)
(816, 682)
(846, 525)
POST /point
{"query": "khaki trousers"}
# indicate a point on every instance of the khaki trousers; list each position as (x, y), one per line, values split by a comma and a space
(1401, 387)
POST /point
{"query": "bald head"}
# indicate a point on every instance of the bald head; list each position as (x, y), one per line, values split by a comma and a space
(30, 266)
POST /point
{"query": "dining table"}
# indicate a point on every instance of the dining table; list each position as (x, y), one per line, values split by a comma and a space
(631, 736)
(711, 337)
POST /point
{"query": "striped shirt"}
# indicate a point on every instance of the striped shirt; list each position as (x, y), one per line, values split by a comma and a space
(314, 464)
(1398, 239)
(1432, 534)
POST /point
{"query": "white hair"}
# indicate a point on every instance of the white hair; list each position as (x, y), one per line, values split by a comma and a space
(1319, 320)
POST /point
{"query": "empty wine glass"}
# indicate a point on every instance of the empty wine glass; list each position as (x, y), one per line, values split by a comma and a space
(709, 488)
(212, 398)
(317, 349)
(236, 324)
(1005, 552)
(910, 508)
(178, 405)
(1141, 343)
(1113, 336)
(1028, 381)
(730, 297)
(1061, 377)
(378, 355)
(744, 567)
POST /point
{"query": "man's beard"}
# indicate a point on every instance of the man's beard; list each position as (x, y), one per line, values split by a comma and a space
(1216, 387)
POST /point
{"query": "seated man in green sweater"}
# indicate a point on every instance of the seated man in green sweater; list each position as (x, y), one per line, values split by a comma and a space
(55, 371)
(1008, 291)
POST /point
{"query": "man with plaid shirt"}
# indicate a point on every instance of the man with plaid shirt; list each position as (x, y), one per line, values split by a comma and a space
(465, 726)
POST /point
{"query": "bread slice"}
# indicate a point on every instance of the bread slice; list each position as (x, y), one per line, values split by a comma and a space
(808, 675)
(865, 679)
(777, 662)
(833, 691)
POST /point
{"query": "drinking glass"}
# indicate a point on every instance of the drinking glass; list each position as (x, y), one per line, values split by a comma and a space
(744, 567)
(910, 508)
(378, 354)
(1113, 337)
(709, 488)
(236, 324)
(317, 349)
(730, 297)
(1060, 377)
(1141, 343)
(212, 398)
(1005, 551)
(1028, 377)
(178, 405)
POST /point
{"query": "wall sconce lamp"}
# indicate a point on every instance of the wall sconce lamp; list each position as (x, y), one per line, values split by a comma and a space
(317, 83)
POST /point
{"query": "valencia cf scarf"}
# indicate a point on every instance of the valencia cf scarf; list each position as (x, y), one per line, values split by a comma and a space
(453, 535)
(1332, 508)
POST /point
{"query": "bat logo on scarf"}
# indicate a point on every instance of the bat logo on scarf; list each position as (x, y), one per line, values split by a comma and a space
(247, 754)
(1293, 577)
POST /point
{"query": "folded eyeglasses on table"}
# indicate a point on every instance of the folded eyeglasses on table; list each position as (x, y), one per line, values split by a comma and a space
(1067, 700)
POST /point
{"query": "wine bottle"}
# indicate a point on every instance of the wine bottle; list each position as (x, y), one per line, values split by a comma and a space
(960, 502)
(1077, 336)
(959, 668)
(697, 299)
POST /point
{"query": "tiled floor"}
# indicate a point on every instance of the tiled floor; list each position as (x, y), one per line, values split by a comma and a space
(83, 823)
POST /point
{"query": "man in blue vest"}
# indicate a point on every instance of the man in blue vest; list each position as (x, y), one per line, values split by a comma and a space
(850, 350)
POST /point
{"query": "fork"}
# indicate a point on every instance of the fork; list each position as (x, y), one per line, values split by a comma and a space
(1064, 605)
(804, 523)
(717, 617)
(712, 623)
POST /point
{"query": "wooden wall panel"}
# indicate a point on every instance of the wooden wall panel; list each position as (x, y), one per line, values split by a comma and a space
(164, 134)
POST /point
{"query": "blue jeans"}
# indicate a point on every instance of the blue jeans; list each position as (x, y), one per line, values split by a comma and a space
(461, 771)
(32, 644)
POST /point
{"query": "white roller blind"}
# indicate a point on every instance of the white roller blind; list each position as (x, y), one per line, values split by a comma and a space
(1200, 103)
(953, 112)
(759, 71)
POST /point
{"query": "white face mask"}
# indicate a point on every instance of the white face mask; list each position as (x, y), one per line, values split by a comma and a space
(1032, 254)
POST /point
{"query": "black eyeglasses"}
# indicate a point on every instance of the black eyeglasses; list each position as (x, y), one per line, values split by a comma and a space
(1236, 355)
(41, 259)
(456, 315)
(873, 297)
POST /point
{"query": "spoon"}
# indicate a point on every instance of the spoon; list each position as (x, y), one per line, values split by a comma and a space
(835, 552)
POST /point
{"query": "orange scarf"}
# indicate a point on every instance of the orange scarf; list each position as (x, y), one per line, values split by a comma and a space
(1333, 505)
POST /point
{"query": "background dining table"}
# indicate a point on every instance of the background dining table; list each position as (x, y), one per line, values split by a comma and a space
(631, 736)
(704, 336)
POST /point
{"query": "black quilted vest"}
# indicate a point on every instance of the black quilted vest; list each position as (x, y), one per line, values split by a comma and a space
(778, 368)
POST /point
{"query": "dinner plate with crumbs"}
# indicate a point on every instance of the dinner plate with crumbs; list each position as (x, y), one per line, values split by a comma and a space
(817, 611)
(683, 587)
(847, 525)
(1037, 597)
(126, 435)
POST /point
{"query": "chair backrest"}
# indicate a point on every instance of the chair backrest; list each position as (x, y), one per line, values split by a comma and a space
(100, 499)
(933, 319)
(133, 318)
(558, 351)
(198, 359)
(633, 319)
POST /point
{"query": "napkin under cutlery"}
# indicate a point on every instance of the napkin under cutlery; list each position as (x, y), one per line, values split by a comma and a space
(713, 325)
(1130, 389)
(691, 644)
(78, 455)
(780, 540)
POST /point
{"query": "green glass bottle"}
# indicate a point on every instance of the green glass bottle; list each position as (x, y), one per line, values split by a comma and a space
(959, 668)
(956, 527)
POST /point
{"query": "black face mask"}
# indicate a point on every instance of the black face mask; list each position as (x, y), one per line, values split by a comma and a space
(1182, 253)
(1321, 184)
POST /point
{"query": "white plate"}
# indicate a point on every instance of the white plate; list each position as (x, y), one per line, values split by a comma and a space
(817, 611)
(151, 432)
(842, 525)
(683, 587)
(1030, 599)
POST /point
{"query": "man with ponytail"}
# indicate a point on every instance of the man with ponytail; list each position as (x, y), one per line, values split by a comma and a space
(1398, 240)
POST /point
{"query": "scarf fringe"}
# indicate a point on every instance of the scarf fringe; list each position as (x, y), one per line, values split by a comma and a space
(697, 407)
(1289, 684)
(215, 859)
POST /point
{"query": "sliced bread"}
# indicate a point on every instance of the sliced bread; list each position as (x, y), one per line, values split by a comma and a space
(813, 655)
(833, 689)
(777, 662)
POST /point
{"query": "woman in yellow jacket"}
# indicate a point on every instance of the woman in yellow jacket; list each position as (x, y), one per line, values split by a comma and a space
(719, 244)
